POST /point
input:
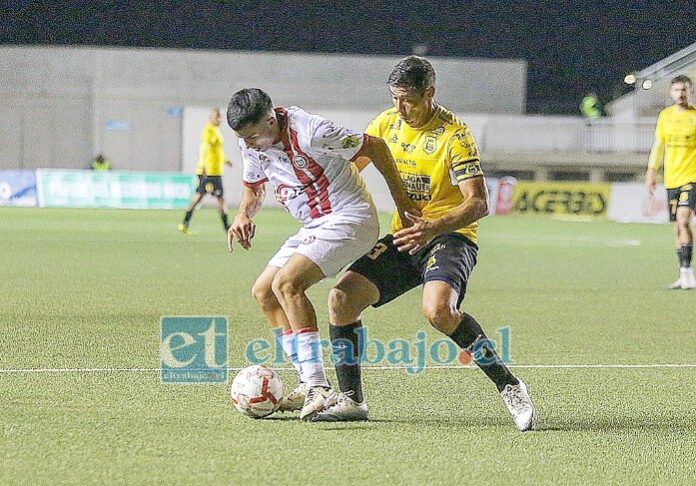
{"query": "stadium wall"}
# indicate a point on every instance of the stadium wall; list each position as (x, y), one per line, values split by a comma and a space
(62, 105)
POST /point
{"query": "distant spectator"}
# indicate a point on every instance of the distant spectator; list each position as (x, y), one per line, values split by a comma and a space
(100, 163)
(591, 107)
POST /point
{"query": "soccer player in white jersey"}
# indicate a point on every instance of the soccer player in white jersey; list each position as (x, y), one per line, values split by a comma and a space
(309, 162)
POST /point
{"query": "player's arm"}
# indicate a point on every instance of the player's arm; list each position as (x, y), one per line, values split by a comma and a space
(376, 150)
(655, 160)
(473, 207)
(243, 228)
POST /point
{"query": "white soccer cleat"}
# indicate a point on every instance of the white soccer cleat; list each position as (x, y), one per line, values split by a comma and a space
(294, 400)
(519, 404)
(345, 409)
(318, 398)
(676, 285)
(687, 279)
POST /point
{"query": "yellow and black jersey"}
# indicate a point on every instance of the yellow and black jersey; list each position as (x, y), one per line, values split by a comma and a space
(675, 141)
(212, 154)
(431, 160)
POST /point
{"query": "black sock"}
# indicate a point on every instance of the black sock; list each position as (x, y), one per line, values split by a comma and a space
(469, 336)
(347, 353)
(187, 218)
(223, 216)
(685, 253)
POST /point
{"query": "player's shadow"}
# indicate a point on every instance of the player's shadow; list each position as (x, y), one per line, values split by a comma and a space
(281, 418)
(654, 424)
(542, 425)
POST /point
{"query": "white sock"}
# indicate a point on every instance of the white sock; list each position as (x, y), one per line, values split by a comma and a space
(288, 341)
(310, 356)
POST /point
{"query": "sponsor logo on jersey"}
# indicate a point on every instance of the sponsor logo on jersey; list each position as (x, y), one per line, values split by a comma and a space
(309, 240)
(350, 141)
(417, 186)
(438, 131)
(284, 193)
(394, 139)
(408, 147)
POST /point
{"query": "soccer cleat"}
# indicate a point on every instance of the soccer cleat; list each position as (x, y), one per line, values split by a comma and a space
(687, 279)
(318, 398)
(676, 285)
(519, 404)
(345, 409)
(184, 229)
(294, 400)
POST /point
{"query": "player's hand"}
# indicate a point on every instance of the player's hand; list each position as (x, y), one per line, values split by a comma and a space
(650, 187)
(407, 207)
(416, 236)
(242, 230)
(650, 183)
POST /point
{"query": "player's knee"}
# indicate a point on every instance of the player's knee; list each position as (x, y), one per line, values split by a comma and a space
(343, 308)
(263, 295)
(284, 286)
(441, 316)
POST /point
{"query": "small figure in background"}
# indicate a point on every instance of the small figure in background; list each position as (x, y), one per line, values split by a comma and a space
(209, 171)
(100, 163)
(591, 107)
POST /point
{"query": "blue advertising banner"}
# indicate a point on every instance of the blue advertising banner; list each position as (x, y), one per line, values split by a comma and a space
(17, 188)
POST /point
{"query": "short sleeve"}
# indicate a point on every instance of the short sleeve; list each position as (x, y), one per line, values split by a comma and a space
(463, 156)
(374, 128)
(334, 139)
(252, 173)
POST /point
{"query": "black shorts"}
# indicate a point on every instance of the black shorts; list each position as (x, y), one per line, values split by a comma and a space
(680, 197)
(448, 258)
(210, 185)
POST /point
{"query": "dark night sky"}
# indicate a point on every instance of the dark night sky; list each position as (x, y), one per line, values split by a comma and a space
(570, 47)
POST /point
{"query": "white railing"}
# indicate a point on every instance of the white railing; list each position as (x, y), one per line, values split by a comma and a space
(561, 134)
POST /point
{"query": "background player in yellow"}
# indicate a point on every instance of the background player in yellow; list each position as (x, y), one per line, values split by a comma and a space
(675, 142)
(438, 161)
(209, 170)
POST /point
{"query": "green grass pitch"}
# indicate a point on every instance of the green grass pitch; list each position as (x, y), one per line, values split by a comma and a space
(84, 289)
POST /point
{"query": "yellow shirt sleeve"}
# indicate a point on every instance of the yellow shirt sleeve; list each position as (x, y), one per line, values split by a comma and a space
(463, 156)
(658, 148)
(376, 127)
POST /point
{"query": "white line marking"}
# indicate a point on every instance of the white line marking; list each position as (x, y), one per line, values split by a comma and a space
(367, 368)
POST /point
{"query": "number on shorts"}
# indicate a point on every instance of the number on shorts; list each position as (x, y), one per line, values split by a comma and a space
(377, 251)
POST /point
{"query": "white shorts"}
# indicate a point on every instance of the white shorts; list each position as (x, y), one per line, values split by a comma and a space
(336, 241)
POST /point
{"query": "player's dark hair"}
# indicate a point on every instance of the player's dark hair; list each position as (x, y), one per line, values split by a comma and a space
(248, 107)
(412, 72)
(682, 78)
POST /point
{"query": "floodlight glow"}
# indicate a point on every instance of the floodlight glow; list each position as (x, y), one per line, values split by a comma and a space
(647, 84)
(630, 79)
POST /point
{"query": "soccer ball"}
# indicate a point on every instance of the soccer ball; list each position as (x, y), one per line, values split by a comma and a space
(256, 391)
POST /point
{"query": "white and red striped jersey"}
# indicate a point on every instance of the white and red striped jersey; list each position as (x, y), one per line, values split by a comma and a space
(311, 168)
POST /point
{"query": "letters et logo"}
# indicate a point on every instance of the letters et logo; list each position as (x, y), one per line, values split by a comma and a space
(193, 349)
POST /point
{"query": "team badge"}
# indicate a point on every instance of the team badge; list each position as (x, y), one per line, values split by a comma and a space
(309, 240)
(300, 162)
(430, 145)
(351, 141)
(684, 197)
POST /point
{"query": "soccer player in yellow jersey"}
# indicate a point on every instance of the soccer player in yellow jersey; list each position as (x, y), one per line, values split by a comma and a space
(675, 142)
(439, 164)
(209, 171)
